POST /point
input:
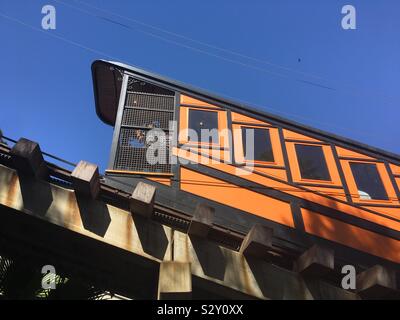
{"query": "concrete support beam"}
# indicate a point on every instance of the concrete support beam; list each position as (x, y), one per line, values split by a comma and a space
(95, 220)
(175, 281)
(28, 159)
(82, 235)
(134, 243)
(201, 223)
(86, 179)
(257, 242)
(225, 272)
(376, 282)
(316, 261)
(142, 199)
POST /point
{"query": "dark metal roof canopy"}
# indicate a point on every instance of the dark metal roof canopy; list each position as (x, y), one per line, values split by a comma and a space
(107, 81)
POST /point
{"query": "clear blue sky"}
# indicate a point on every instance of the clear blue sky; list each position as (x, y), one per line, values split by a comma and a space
(46, 86)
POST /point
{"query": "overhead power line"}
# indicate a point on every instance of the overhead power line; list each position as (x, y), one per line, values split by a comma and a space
(275, 110)
(177, 43)
(350, 89)
(175, 34)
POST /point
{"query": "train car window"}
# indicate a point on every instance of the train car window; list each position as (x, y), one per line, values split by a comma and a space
(312, 162)
(262, 148)
(368, 181)
(201, 119)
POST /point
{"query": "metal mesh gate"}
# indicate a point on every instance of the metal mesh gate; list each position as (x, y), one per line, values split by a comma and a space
(144, 137)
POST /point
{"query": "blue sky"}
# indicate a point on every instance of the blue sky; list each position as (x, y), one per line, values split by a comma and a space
(46, 86)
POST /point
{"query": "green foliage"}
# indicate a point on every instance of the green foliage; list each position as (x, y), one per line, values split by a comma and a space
(19, 280)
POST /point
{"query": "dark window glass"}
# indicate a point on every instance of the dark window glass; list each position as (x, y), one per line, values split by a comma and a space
(368, 180)
(262, 145)
(200, 119)
(312, 162)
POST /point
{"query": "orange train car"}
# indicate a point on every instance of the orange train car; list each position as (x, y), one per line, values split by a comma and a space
(310, 186)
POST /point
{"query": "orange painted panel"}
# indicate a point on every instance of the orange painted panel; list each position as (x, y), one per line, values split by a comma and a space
(195, 157)
(242, 118)
(277, 173)
(395, 169)
(351, 236)
(237, 197)
(195, 102)
(392, 212)
(290, 189)
(290, 135)
(351, 154)
(223, 155)
(336, 193)
(398, 182)
(164, 181)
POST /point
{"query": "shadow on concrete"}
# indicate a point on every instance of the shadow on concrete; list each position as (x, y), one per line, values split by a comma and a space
(278, 283)
(210, 257)
(152, 236)
(324, 291)
(270, 282)
(94, 214)
(36, 195)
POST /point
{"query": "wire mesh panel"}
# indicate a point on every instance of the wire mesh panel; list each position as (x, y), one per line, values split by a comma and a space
(146, 118)
(143, 150)
(150, 101)
(144, 137)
